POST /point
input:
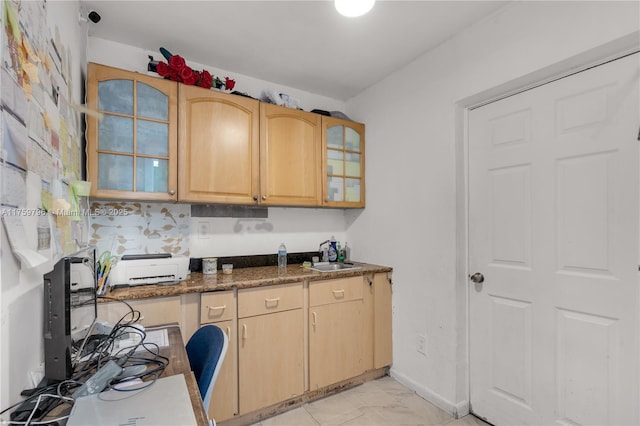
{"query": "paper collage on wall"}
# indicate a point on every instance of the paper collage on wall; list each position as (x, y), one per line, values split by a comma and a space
(41, 139)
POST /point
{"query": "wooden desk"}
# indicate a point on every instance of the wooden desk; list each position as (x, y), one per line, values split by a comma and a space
(179, 364)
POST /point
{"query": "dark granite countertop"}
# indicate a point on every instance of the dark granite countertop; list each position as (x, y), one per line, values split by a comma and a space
(240, 278)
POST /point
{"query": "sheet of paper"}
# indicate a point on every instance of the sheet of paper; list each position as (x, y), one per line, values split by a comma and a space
(159, 337)
(17, 238)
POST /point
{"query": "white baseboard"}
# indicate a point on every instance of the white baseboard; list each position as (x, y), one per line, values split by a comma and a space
(456, 410)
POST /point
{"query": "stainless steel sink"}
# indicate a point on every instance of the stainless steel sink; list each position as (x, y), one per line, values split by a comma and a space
(333, 267)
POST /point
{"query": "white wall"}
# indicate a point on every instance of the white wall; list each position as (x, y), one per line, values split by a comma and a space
(132, 58)
(21, 343)
(414, 220)
(300, 229)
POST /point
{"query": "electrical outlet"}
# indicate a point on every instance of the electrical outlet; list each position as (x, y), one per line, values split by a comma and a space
(203, 230)
(421, 344)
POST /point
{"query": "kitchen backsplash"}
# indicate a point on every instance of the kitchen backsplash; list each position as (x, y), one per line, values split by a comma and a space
(132, 227)
(140, 227)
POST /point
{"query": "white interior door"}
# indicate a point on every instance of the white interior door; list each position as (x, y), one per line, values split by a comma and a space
(553, 228)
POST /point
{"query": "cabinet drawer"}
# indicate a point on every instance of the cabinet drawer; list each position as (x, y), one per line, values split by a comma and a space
(153, 311)
(217, 306)
(338, 290)
(268, 299)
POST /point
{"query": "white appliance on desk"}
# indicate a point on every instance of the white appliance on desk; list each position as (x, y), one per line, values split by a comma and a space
(135, 270)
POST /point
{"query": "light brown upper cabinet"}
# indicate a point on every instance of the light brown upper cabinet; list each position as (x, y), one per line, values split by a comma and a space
(218, 155)
(290, 157)
(343, 163)
(132, 150)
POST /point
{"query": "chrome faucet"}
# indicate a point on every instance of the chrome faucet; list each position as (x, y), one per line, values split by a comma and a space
(320, 247)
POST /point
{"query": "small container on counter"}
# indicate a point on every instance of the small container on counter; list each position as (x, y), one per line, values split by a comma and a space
(227, 268)
(210, 265)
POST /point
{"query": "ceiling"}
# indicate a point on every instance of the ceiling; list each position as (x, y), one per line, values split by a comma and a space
(302, 44)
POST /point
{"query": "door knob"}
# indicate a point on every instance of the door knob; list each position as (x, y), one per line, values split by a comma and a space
(477, 278)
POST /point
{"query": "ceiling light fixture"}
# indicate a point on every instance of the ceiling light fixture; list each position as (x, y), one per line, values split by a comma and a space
(353, 8)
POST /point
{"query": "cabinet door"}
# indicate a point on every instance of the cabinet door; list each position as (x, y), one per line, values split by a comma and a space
(336, 342)
(219, 146)
(383, 349)
(131, 152)
(343, 163)
(270, 359)
(225, 392)
(290, 156)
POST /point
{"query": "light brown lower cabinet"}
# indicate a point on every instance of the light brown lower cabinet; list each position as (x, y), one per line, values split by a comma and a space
(337, 331)
(270, 345)
(348, 332)
(219, 308)
(270, 358)
(382, 341)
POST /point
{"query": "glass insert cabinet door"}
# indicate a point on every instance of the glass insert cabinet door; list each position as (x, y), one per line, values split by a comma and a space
(343, 163)
(132, 138)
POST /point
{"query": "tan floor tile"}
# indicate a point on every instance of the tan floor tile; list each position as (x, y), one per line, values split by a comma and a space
(334, 410)
(382, 402)
(295, 417)
(369, 418)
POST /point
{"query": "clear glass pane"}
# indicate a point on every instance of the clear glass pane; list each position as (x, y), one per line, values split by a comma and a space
(153, 138)
(335, 188)
(353, 139)
(335, 162)
(353, 190)
(152, 175)
(115, 172)
(116, 96)
(115, 134)
(352, 165)
(152, 103)
(335, 137)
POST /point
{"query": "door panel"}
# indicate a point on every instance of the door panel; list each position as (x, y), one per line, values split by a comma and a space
(553, 227)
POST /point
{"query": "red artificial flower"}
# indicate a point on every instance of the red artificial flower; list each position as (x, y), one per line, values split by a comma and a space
(162, 69)
(205, 79)
(185, 73)
(192, 79)
(176, 69)
(229, 84)
(174, 75)
(177, 62)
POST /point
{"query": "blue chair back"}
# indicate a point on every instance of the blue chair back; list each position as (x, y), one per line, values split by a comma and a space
(206, 350)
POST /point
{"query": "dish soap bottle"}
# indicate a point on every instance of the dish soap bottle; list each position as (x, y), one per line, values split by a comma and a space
(333, 250)
(282, 257)
(340, 253)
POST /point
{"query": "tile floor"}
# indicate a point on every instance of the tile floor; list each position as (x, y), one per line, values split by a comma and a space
(382, 402)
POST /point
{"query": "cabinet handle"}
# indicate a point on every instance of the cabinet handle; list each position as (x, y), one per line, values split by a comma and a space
(370, 281)
(338, 293)
(268, 301)
(172, 192)
(212, 308)
(229, 332)
(244, 331)
(315, 317)
(264, 197)
(255, 198)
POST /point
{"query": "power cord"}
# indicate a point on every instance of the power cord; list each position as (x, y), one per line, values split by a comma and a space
(102, 352)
